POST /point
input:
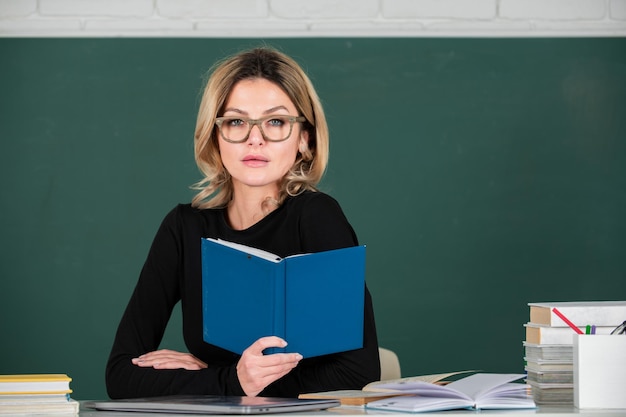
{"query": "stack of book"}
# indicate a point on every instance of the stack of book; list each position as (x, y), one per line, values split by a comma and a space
(40, 394)
(549, 338)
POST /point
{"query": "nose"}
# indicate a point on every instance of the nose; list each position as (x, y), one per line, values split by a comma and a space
(255, 137)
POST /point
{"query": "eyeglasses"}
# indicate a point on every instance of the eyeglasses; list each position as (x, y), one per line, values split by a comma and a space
(621, 329)
(275, 128)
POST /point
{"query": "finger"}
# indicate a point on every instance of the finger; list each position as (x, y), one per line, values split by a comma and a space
(263, 343)
(146, 357)
(273, 375)
(148, 361)
(175, 364)
(278, 359)
(266, 367)
(165, 355)
(170, 364)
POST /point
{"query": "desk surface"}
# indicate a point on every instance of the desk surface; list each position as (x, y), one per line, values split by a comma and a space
(358, 411)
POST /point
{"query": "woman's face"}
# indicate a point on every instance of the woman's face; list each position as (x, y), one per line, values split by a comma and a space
(257, 163)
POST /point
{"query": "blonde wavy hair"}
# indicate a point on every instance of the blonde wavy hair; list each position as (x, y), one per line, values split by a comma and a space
(216, 189)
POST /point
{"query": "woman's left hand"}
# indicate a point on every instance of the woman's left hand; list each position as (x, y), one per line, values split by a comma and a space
(169, 359)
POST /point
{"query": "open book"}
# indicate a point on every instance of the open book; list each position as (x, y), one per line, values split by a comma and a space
(478, 391)
(314, 301)
(376, 390)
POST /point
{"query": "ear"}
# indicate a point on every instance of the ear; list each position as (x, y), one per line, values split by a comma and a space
(303, 145)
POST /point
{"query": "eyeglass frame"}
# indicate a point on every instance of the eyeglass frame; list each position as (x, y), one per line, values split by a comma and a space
(258, 122)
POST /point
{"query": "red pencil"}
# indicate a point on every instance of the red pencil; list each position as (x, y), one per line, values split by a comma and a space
(566, 320)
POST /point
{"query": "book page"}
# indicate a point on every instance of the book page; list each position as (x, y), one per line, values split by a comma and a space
(415, 404)
(260, 253)
(422, 389)
(375, 386)
(475, 386)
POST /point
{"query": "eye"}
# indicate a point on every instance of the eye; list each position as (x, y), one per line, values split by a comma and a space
(235, 122)
(276, 122)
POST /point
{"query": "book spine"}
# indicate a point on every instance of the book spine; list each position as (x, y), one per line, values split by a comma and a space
(280, 305)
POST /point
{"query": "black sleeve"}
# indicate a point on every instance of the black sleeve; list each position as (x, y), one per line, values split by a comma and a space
(143, 324)
(323, 227)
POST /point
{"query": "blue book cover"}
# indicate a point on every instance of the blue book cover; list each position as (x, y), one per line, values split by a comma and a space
(314, 301)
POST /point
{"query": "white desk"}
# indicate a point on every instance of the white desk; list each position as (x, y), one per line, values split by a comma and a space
(359, 411)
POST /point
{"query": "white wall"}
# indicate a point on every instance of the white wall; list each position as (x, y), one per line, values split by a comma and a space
(312, 18)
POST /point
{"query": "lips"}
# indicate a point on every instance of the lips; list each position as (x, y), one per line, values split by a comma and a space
(255, 160)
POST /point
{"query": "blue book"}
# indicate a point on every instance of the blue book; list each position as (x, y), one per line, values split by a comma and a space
(313, 301)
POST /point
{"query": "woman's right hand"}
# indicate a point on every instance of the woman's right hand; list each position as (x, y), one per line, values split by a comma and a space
(256, 370)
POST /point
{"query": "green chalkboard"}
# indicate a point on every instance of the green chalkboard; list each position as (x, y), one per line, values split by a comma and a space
(482, 174)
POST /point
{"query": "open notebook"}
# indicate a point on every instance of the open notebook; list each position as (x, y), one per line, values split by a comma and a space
(209, 404)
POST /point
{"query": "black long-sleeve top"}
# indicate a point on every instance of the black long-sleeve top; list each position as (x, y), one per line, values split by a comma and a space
(309, 222)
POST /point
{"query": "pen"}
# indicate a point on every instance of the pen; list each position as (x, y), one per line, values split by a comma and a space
(593, 329)
(566, 320)
(588, 329)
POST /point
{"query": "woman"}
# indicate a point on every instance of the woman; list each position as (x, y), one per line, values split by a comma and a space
(261, 142)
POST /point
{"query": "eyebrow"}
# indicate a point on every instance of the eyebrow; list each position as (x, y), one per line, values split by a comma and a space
(268, 111)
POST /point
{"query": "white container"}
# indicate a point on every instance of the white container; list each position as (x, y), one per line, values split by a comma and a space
(599, 371)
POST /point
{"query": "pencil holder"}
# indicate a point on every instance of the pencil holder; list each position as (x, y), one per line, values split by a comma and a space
(599, 377)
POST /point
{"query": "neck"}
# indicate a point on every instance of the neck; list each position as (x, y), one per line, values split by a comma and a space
(247, 209)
